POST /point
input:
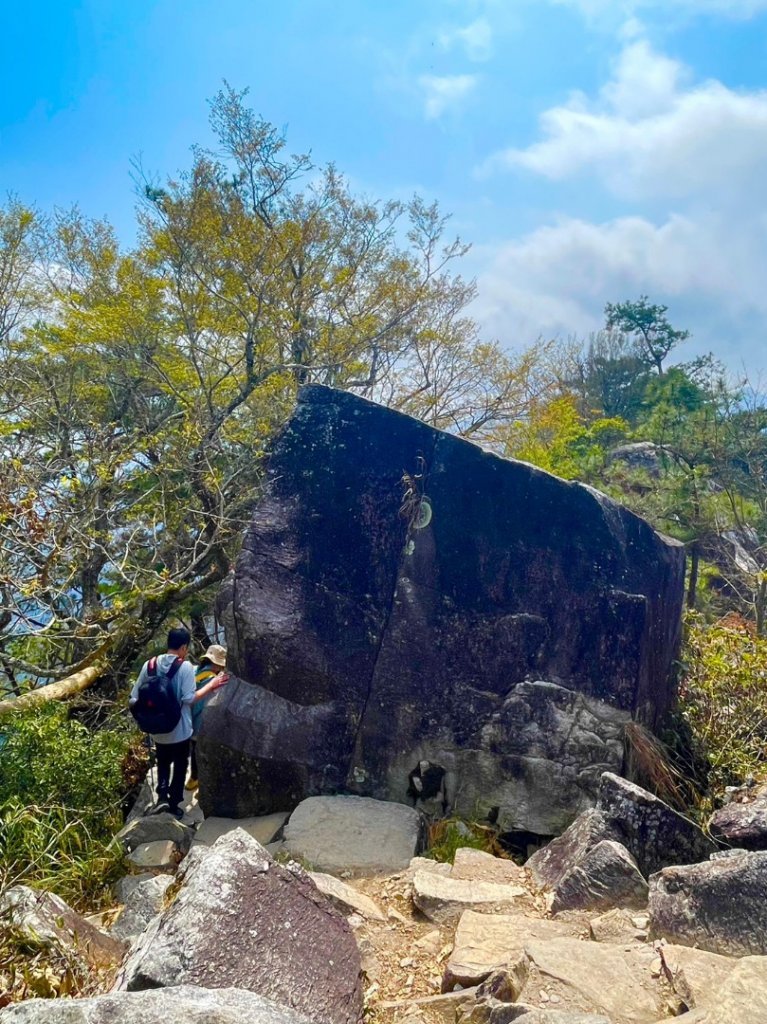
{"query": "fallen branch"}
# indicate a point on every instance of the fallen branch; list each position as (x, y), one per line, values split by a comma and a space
(61, 690)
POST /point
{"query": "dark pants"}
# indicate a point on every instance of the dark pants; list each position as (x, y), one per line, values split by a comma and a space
(194, 759)
(170, 785)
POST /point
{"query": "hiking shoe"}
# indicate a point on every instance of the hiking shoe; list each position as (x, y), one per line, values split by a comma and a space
(177, 812)
(192, 785)
(161, 807)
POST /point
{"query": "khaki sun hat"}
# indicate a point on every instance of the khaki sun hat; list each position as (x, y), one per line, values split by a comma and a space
(216, 654)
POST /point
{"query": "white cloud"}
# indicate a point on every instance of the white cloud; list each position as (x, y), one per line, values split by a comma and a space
(440, 92)
(650, 134)
(556, 280)
(692, 159)
(476, 39)
(738, 9)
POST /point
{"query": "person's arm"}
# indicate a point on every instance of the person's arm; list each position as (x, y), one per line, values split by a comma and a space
(213, 684)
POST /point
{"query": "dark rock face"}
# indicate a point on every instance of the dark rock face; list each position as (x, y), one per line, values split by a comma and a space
(719, 906)
(742, 824)
(242, 921)
(405, 597)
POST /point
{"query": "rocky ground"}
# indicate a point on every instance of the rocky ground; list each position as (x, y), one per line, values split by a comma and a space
(580, 935)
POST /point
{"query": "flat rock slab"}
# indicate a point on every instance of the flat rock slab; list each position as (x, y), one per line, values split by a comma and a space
(160, 855)
(558, 1017)
(242, 921)
(593, 977)
(348, 899)
(444, 1006)
(263, 828)
(45, 917)
(719, 906)
(478, 866)
(617, 925)
(184, 1004)
(355, 834)
(144, 903)
(443, 899)
(486, 942)
(156, 828)
(535, 1016)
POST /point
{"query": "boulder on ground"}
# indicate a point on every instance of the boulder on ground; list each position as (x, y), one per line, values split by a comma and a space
(601, 877)
(157, 856)
(46, 918)
(551, 863)
(654, 834)
(375, 651)
(142, 905)
(184, 1004)
(743, 825)
(156, 828)
(355, 834)
(126, 885)
(719, 905)
(242, 921)
(444, 898)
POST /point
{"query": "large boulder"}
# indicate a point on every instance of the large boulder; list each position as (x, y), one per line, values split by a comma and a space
(242, 921)
(603, 858)
(414, 618)
(720, 905)
(743, 825)
(182, 1005)
(655, 834)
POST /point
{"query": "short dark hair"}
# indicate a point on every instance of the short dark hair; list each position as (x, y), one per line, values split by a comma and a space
(177, 637)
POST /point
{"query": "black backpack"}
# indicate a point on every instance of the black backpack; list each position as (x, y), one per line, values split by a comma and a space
(156, 706)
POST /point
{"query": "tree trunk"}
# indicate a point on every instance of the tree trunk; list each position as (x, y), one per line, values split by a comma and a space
(61, 690)
(692, 582)
(760, 605)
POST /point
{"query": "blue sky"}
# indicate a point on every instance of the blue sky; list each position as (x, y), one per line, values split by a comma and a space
(591, 150)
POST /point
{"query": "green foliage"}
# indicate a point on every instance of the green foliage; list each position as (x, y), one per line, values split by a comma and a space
(723, 698)
(648, 325)
(60, 790)
(556, 437)
(449, 835)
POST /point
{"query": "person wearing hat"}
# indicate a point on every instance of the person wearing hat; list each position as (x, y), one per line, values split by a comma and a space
(211, 666)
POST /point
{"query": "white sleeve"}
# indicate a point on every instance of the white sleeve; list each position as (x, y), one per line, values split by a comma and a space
(187, 689)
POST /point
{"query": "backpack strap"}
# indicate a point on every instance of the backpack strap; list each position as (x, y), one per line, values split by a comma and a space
(174, 668)
(151, 667)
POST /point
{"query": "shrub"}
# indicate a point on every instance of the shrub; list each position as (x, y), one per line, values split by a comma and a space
(450, 834)
(723, 699)
(61, 786)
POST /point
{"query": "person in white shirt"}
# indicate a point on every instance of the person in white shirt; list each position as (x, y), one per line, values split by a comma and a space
(173, 747)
